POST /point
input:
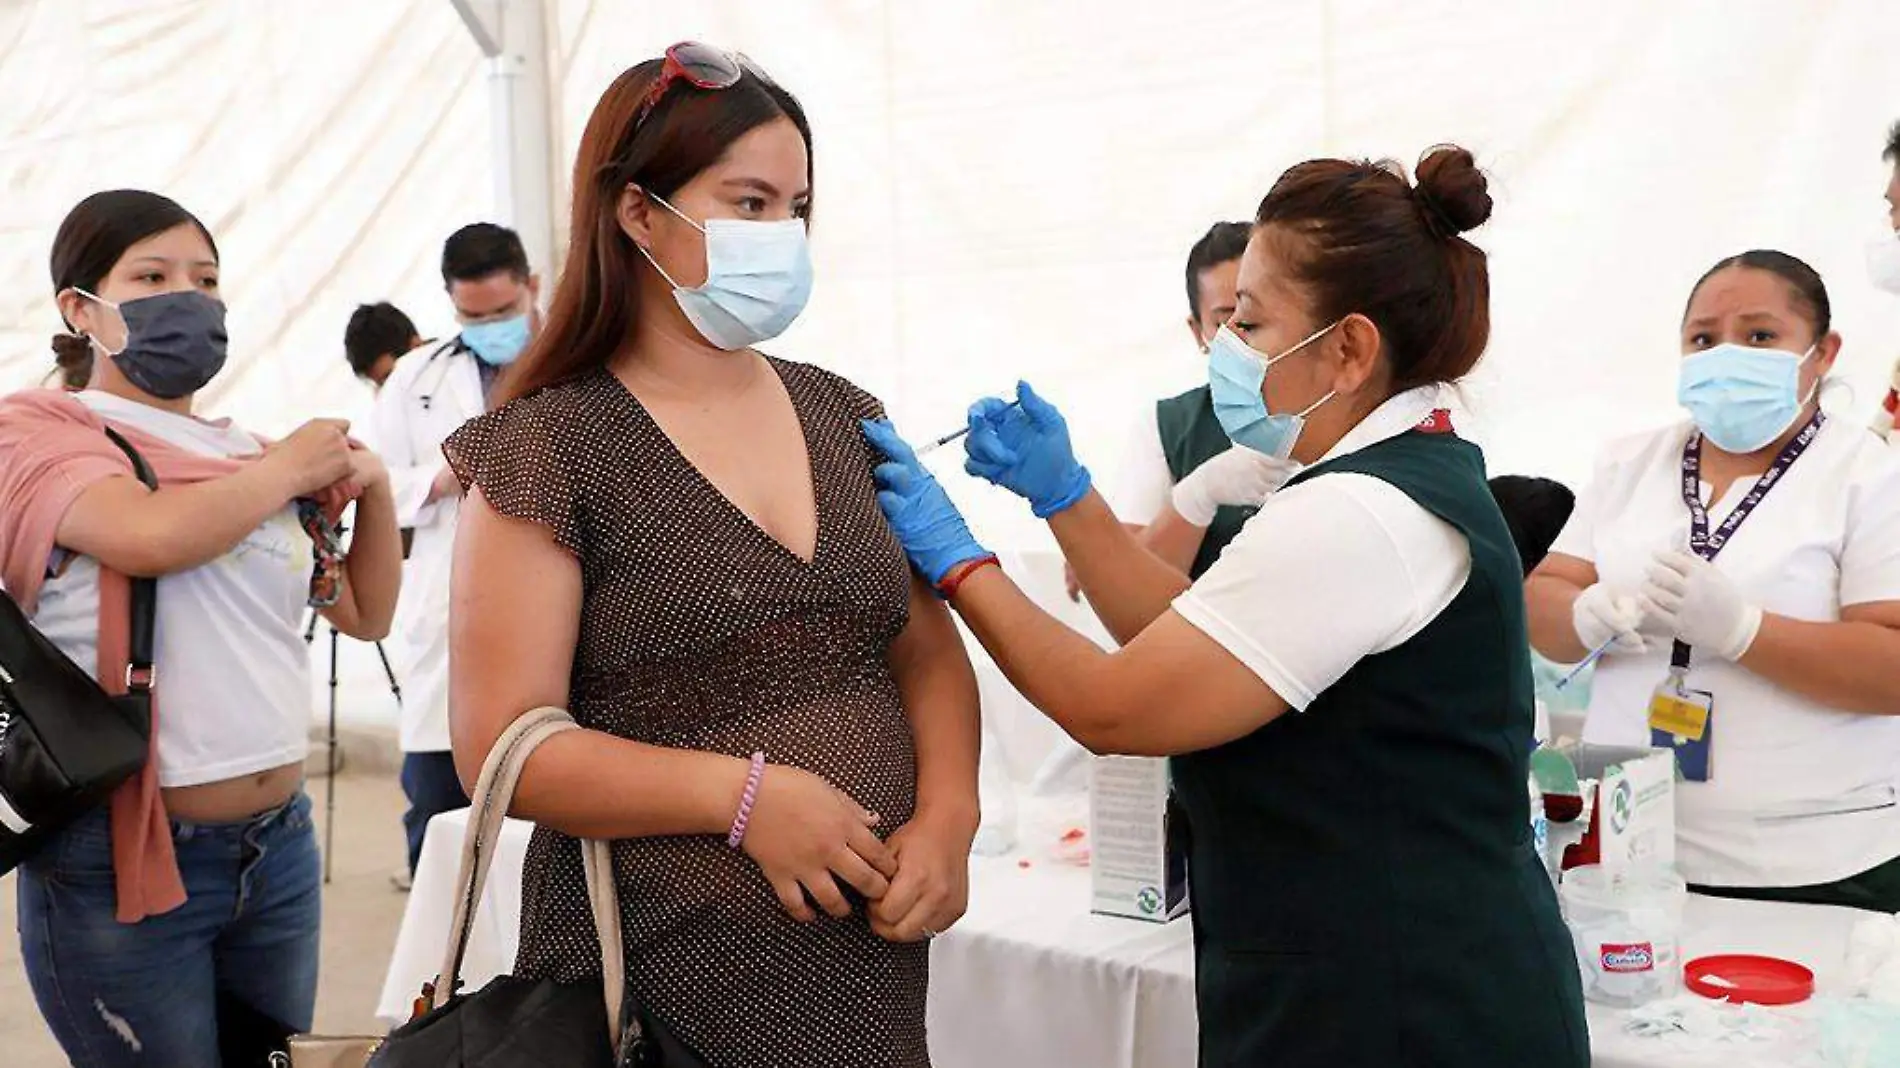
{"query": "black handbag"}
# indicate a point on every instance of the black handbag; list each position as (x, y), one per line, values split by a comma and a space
(66, 744)
(514, 1022)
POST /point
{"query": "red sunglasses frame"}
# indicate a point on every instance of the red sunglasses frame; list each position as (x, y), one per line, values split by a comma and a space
(682, 59)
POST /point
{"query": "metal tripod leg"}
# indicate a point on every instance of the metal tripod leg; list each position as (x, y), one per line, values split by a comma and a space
(395, 688)
(329, 787)
(329, 783)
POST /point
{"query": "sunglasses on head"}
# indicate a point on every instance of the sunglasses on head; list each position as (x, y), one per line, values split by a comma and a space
(701, 66)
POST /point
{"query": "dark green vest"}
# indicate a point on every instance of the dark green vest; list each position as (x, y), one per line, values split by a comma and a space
(1191, 436)
(1365, 892)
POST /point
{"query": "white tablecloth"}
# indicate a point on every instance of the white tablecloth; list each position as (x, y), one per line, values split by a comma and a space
(1030, 978)
(424, 935)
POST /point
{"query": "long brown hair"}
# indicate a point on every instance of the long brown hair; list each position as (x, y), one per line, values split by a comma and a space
(592, 314)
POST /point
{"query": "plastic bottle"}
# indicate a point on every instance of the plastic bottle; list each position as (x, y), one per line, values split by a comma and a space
(1627, 928)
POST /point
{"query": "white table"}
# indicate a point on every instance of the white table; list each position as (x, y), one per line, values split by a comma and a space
(1030, 978)
(424, 935)
(1812, 934)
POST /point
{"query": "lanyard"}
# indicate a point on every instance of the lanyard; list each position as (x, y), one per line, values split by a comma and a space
(1707, 545)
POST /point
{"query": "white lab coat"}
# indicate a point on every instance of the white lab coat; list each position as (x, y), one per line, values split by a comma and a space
(433, 391)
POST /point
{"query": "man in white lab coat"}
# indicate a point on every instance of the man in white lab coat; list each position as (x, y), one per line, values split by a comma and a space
(431, 392)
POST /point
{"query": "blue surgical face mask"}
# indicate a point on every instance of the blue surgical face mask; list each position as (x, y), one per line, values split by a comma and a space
(758, 278)
(174, 342)
(1743, 398)
(497, 343)
(1235, 373)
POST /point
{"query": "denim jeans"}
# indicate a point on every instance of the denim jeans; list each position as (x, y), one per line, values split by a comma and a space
(429, 781)
(148, 994)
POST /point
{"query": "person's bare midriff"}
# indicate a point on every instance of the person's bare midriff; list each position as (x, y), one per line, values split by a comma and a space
(231, 800)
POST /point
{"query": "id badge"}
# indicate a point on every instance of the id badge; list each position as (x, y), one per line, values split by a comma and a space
(1683, 720)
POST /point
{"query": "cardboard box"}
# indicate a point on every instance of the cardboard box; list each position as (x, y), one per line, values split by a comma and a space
(1137, 856)
(1634, 818)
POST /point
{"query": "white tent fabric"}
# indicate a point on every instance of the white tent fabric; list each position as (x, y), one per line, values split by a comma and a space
(330, 148)
(1004, 189)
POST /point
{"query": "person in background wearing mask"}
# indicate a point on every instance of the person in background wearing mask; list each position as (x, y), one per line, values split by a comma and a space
(178, 925)
(377, 336)
(1188, 526)
(677, 538)
(1883, 268)
(431, 393)
(1753, 623)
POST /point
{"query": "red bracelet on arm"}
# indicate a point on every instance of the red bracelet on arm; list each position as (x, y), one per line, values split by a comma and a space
(736, 837)
(961, 573)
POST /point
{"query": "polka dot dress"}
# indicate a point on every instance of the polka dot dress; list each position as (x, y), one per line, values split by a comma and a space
(700, 631)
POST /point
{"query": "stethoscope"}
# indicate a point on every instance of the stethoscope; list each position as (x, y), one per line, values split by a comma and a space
(451, 347)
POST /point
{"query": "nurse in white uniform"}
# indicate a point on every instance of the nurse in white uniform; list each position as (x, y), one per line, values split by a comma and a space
(1754, 622)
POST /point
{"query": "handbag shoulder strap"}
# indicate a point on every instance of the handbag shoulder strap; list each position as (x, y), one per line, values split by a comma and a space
(488, 808)
(139, 676)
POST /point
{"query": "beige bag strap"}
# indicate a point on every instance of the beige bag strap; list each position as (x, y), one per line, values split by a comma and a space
(488, 808)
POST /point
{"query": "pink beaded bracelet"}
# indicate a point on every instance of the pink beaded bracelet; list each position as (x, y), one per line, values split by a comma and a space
(746, 801)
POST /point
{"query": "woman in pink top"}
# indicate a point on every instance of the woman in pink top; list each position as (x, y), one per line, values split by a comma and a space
(178, 925)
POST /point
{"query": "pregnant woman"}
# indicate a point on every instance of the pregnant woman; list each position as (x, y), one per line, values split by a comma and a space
(678, 539)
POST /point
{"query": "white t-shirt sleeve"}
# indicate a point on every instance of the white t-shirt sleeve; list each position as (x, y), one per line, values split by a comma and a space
(1139, 486)
(1870, 552)
(1327, 573)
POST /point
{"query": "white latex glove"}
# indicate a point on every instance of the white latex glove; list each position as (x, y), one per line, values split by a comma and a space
(1600, 614)
(1700, 605)
(1239, 477)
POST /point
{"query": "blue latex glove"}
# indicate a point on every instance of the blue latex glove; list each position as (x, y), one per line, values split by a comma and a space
(1024, 448)
(921, 514)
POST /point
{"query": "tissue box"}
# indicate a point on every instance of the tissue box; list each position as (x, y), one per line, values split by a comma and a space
(1634, 819)
(1137, 859)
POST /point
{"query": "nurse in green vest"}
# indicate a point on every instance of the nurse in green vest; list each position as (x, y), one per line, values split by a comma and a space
(1177, 435)
(1347, 690)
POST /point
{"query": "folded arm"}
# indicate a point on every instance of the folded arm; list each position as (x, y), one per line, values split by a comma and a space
(147, 533)
(372, 577)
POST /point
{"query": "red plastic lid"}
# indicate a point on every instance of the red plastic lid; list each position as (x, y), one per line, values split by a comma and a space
(1743, 979)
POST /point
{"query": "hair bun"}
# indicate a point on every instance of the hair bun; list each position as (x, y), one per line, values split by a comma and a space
(73, 355)
(1452, 190)
(69, 349)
